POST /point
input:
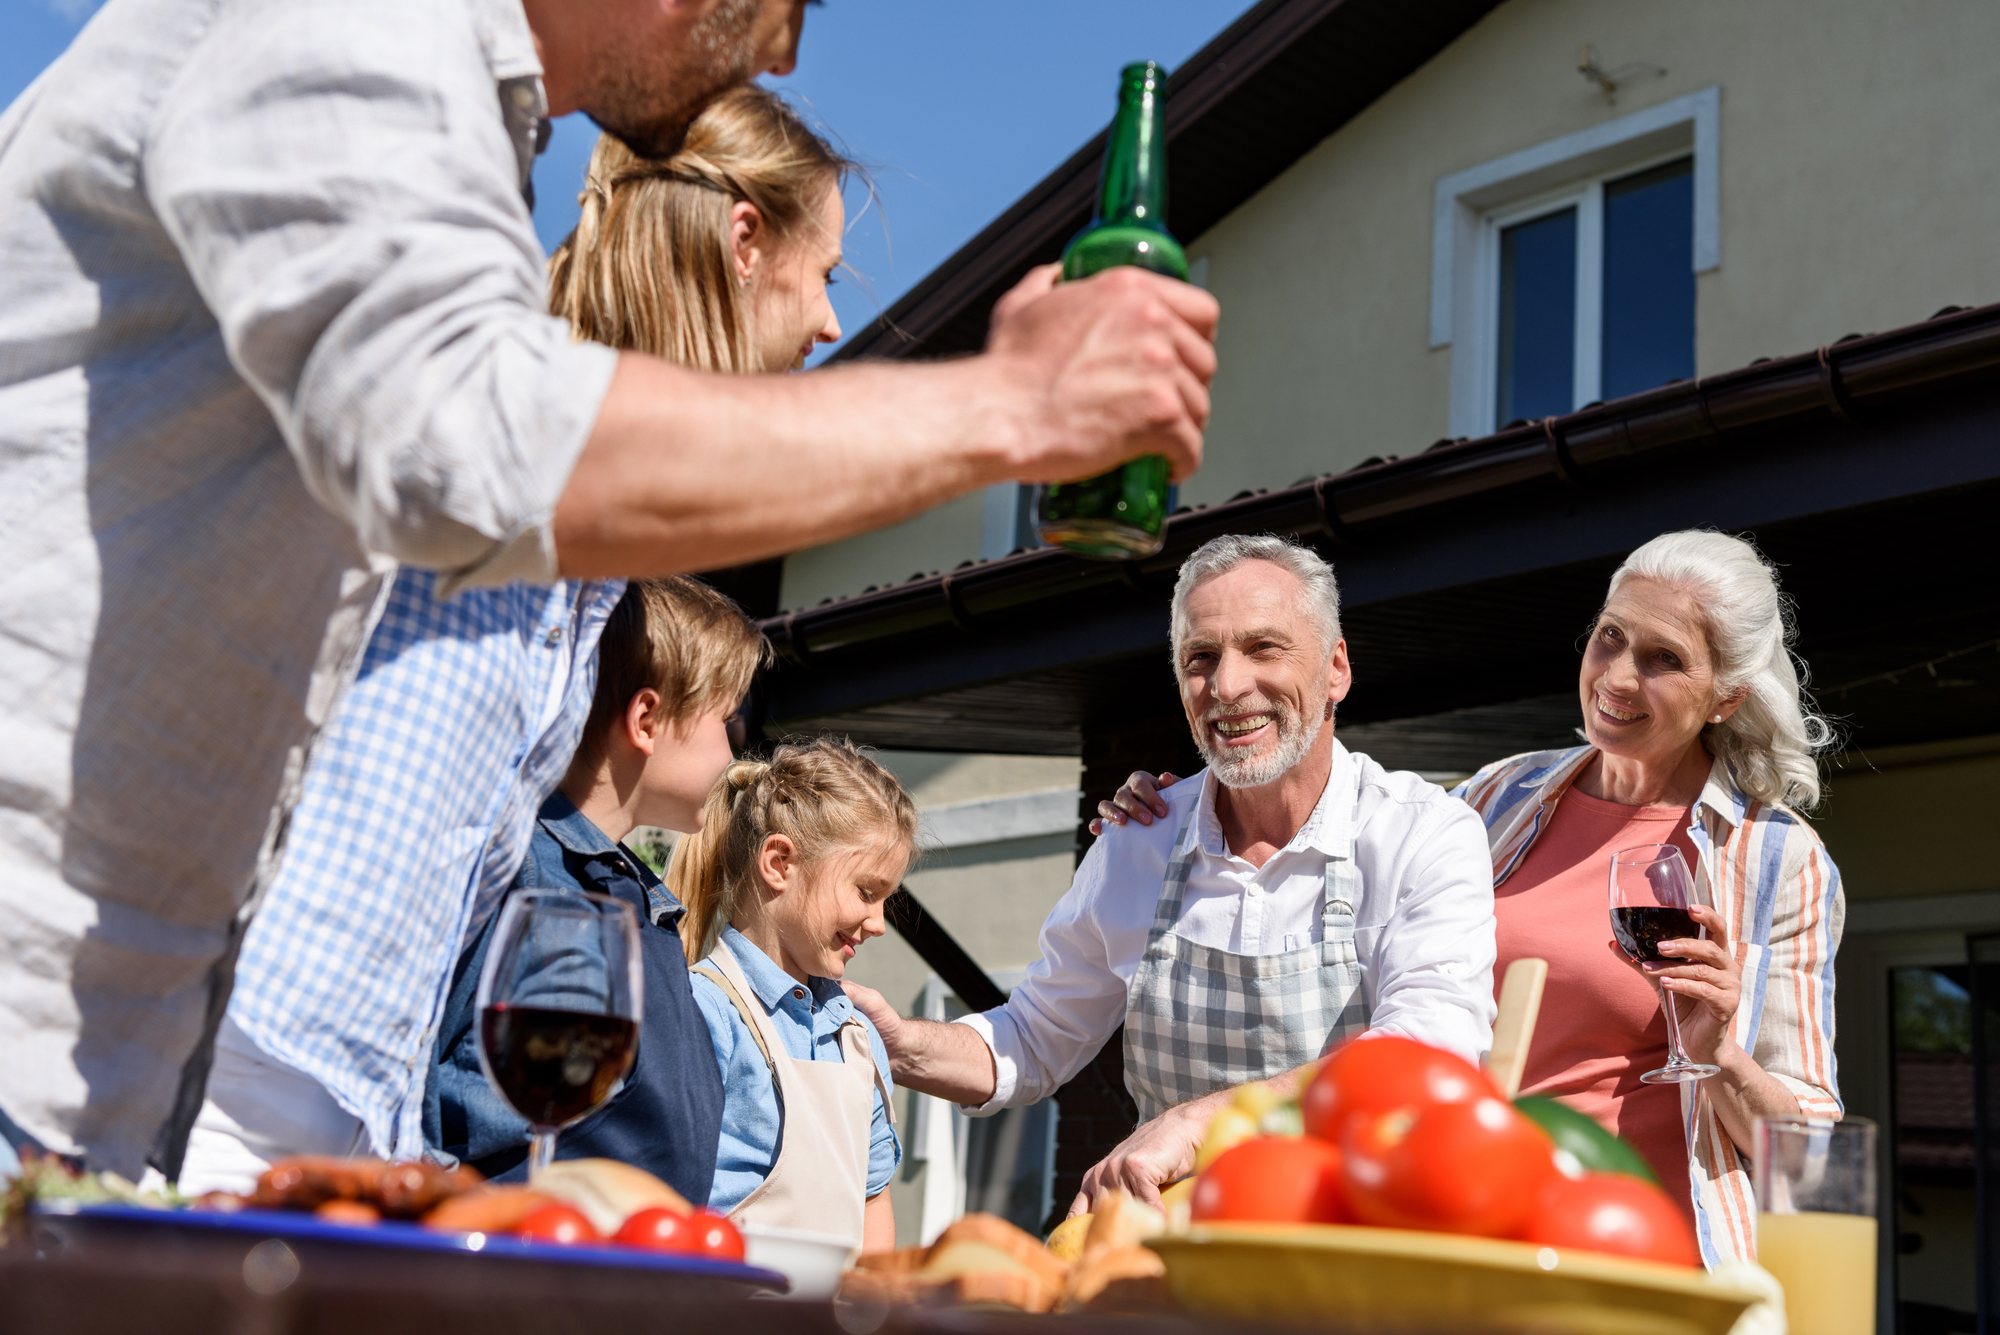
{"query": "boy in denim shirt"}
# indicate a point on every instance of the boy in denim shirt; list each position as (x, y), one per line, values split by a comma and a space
(674, 662)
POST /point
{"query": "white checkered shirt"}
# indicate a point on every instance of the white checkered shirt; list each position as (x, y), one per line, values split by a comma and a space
(419, 801)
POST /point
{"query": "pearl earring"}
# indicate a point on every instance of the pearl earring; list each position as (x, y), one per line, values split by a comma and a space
(1716, 719)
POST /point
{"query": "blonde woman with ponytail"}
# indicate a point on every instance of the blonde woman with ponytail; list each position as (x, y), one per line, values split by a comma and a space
(422, 793)
(786, 879)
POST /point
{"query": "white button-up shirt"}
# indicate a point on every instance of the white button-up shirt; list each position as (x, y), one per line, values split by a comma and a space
(1423, 927)
(274, 319)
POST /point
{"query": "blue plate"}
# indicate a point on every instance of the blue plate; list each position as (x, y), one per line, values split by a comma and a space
(407, 1237)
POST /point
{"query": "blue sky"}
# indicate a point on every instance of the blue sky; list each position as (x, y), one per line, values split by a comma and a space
(957, 106)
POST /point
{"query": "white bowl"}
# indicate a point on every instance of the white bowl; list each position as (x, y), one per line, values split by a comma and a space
(813, 1262)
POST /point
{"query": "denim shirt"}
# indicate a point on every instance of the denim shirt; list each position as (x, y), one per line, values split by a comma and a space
(808, 1018)
(667, 1117)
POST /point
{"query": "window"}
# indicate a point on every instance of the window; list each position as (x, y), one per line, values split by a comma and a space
(1564, 273)
(1003, 1164)
(1596, 293)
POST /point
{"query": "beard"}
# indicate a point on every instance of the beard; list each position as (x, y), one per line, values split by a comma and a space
(1296, 736)
(649, 100)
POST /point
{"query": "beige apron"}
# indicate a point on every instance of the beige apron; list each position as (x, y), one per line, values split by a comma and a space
(819, 1176)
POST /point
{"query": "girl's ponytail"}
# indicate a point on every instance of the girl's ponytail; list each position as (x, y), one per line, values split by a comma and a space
(699, 873)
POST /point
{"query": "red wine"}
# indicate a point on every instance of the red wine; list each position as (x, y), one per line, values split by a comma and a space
(555, 1066)
(1640, 930)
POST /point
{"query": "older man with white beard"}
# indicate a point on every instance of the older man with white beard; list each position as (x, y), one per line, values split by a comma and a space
(1297, 893)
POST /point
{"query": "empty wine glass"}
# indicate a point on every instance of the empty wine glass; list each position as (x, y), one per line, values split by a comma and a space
(1651, 891)
(559, 1008)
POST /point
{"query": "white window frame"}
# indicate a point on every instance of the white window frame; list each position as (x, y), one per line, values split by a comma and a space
(1472, 206)
(940, 1131)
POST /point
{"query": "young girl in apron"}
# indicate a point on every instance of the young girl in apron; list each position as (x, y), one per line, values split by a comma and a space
(786, 879)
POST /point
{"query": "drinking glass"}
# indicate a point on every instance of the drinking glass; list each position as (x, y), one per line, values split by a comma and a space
(1816, 1219)
(559, 1008)
(1651, 890)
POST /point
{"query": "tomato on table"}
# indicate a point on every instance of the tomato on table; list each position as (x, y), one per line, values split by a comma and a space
(1366, 1077)
(559, 1224)
(1614, 1213)
(1475, 1168)
(714, 1236)
(656, 1229)
(1274, 1180)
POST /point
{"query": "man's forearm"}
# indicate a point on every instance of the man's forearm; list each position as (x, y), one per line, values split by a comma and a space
(685, 471)
(950, 1061)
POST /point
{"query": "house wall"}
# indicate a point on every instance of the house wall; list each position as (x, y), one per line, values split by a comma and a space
(1858, 192)
(1909, 822)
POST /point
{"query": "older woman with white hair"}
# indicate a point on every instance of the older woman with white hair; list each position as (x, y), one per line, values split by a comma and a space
(1696, 734)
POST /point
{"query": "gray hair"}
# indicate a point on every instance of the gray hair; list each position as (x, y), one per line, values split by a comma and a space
(1319, 593)
(1770, 741)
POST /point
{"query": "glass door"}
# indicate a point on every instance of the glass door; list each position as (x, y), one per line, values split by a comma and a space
(1932, 1204)
(1984, 953)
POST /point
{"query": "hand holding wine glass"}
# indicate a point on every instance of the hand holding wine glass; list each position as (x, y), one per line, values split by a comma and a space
(559, 1008)
(1652, 894)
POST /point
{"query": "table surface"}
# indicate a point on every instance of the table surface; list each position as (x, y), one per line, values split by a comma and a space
(187, 1282)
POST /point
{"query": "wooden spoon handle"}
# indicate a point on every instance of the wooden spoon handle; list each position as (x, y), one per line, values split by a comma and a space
(1514, 1030)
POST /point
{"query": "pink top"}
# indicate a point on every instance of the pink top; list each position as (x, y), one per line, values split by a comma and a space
(1600, 1025)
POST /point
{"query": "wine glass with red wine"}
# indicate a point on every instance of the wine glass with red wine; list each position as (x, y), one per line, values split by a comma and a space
(1651, 890)
(559, 1008)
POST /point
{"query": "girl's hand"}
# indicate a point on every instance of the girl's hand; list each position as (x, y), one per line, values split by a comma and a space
(1138, 800)
(1708, 973)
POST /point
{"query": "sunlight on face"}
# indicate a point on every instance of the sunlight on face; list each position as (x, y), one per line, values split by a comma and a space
(835, 906)
(790, 310)
(1648, 679)
(1255, 676)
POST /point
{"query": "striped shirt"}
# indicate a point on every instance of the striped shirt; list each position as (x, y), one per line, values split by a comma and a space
(1766, 873)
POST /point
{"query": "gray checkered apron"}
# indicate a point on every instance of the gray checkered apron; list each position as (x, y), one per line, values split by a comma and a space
(1199, 1018)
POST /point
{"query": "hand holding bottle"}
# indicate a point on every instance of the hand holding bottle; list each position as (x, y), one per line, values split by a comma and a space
(1112, 366)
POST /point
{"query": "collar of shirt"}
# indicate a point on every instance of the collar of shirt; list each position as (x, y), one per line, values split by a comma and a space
(817, 1004)
(1719, 796)
(1320, 833)
(508, 39)
(579, 834)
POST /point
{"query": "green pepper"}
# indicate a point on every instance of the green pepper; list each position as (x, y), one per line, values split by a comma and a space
(1595, 1148)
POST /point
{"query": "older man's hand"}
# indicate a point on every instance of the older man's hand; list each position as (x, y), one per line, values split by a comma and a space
(1157, 1153)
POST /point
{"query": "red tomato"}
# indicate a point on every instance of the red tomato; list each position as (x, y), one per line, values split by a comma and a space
(1454, 1167)
(657, 1229)
(557, 1223)
(1612, 1212)
(1272, 1179)
(1371, 1076)
(714, 1236)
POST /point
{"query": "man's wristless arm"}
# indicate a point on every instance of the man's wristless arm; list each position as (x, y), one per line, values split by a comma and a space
(950, 1061)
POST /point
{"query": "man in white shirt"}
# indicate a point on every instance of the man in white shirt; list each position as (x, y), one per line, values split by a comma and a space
(273, 320)
(1296, 894)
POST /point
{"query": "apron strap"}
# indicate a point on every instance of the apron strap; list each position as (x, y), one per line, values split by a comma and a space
(721, 978)
(857, 1050)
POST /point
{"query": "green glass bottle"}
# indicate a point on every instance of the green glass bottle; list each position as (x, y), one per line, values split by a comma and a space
(1122, 513)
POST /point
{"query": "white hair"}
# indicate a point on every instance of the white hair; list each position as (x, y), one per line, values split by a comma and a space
(1770, 740)
(1319, 592)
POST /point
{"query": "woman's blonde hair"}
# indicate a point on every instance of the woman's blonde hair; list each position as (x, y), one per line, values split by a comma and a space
(1772, 738)
(825, 794)
(651, 265)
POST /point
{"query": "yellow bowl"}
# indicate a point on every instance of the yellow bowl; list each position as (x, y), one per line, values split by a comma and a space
(1394, 1280)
